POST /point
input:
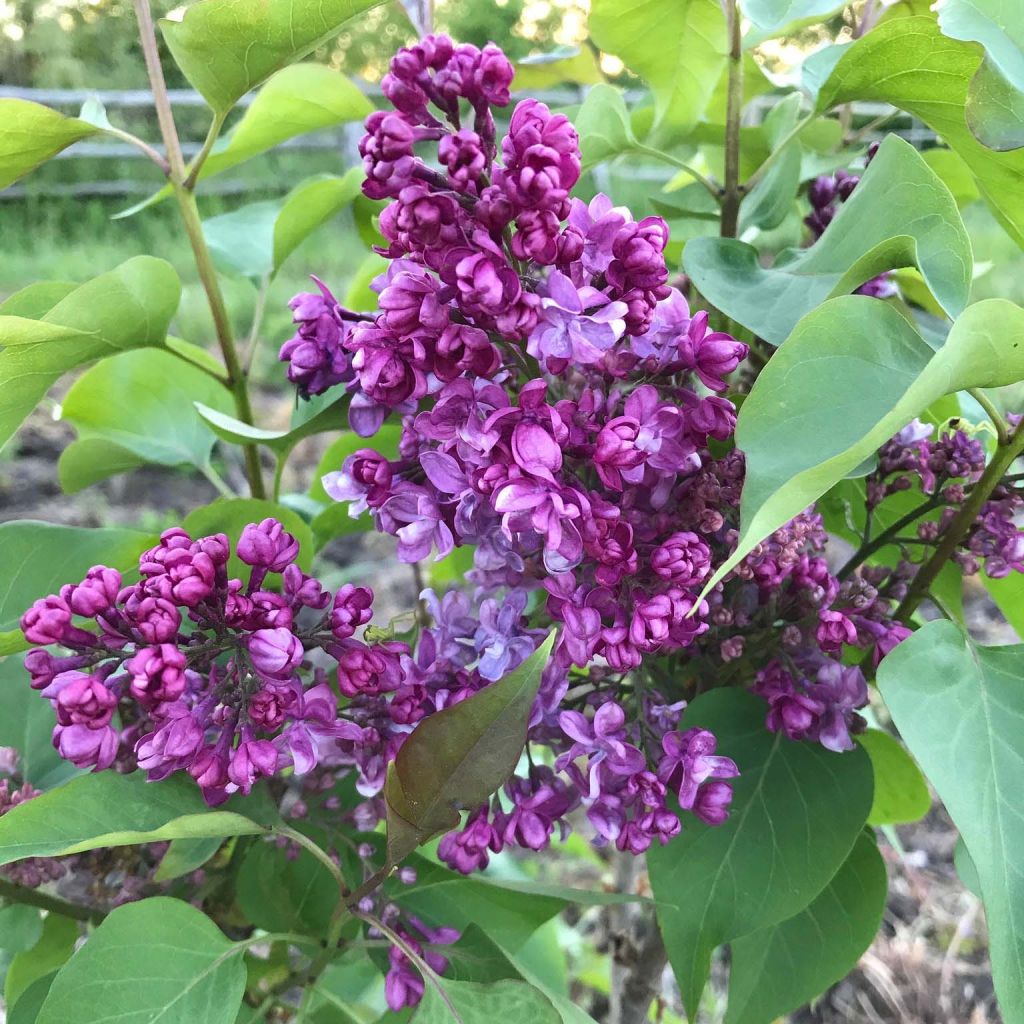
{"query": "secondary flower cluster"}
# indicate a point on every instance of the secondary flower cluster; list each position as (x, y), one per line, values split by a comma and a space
(193, 670)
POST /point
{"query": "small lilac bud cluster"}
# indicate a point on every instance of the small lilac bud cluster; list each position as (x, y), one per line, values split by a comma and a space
(826, 194)
(191, 670)
(32, 871)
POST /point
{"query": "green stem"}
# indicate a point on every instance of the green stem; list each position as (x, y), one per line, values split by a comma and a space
(321, 855)
(177, 177)
(257, 322)
(218, 481)
(868, 548)
(200, 158)
(775, 153)
(668, 158)
(1003, 459)
(732, 194)
(141, 145)
(1000, 424)
(13, 893)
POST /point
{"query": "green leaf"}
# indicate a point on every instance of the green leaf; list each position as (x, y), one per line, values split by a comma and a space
(1008, 594)
(995, 109)
(965, 869)
(335, 521)
(30, 134)
(310, 204)
(796, 814)
(332, 416)
(26, 1009)
(232, 515)
(574, 64)
(770, 15)
(26, 723)
(53, 950)
(130, 307)
(997, 25)
(198, 356)
(476, 1003)
(242, 241)
(40, 557)
(359, 294)
(280, 893)
(603, 125)
(959, 707)
(184, 856)
(227, 47)
(460, 756)
(20, 927)
(901, 793)
(678, 47)
(772, 197)
(107, 809)
(852, 374)
(36, 300)
(156, 960)
(900, 215)
(908, 62)
(88, 460)
(142, 402)
(776, 970)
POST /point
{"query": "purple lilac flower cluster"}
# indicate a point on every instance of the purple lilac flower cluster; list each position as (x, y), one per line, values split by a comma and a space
(943, 465)
(192, 670)
(826, 194)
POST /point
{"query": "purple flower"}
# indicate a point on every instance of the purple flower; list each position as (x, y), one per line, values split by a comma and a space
(578, 324)
(689, 762)
(275, 652)
(81, 699)
(683, 559)
(603, 741)
(499, 639)
(415, 517)
(316, 355)
(157, 674)
(96, 594)
(351, 609)
(469, 849)
(267, 545)
(252, 760)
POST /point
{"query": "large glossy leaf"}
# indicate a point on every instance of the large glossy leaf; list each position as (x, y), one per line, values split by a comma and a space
(960, 709)
(231, 515)
(159, 960)
(88, 460)
(796, 814)
(310, 204)
(901, 214)
(995, 109)
(775, 970)
(26, 723)
(142, 402)
(242, 241)
(770, 15)
(107, 809)
(30, 134)
(40, 557)
(129, 307)
(677, 46)
(484, 1003)
(37, 299)
(227, 47)
(996, 24)
(851, 375)
(460, 756)
(908, 62)
(901, 793)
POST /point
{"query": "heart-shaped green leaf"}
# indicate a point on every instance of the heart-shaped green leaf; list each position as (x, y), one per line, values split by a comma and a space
(30, 134)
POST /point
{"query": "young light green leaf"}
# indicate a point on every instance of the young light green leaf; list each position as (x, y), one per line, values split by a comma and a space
(852, 374)
(227, 47)
(26, 1009)
(460, 756)
(678, 47)
(797, 812)
(908, 62)
(156, 960)
(30, 134)
(955, 174)
(26, 723)
(603, 125)
(959, 709)
(242, 241)
(901, 214)
(231, 515)
(1008, 594)
(474, 1003)
(88, 460)
(310, 204)
(129, 307)
(41, 556)
(108, 809)
(141, 401)
(574, 64)
(771, 198)
(771, 15)
(54, 948)
(901, 793)
(184, 856)
(36, 300)
(775, 970)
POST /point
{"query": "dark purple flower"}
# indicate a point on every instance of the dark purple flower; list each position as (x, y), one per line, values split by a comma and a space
(157, 674)
(689, 762)
(267, 545)
(275, 652)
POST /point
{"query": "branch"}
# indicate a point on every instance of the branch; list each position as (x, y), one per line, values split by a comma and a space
(15, 893)
(734, 100)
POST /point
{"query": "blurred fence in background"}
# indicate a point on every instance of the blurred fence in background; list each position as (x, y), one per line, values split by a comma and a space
(90, 159)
